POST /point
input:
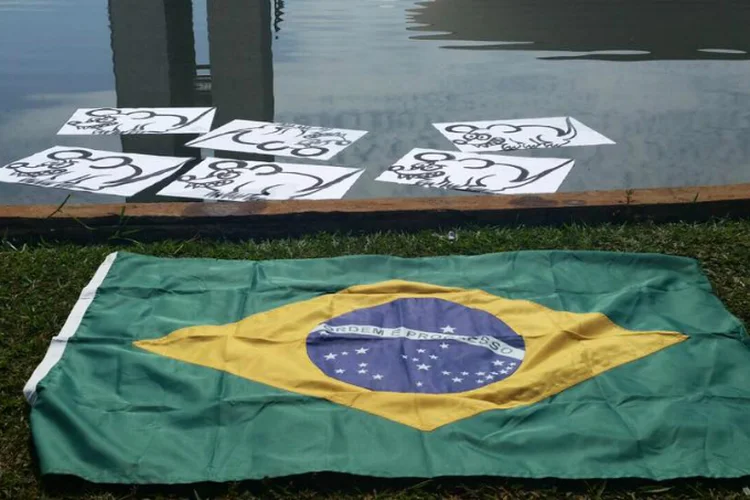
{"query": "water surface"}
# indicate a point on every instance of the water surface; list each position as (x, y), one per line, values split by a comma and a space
(669, 81)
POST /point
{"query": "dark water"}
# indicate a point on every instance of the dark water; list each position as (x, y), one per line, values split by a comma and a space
(668, 80)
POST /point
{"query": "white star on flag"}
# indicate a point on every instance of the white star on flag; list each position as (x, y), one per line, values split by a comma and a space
(405, 356)
(480, 381)
(505, 371)
(377, 376)
(479, 373)
(497, 362)
(494, 373)
(420, 351)
(489, 377)
(423, 367)
(345, 353)
(448, 329)
(432, 356)
(340, 370)
(464, 373)
(362, 350)
(444, 346)
(446, 373)
(419, 384)
(330, 356)
(362, 371)
(415, 359)
(458, 379)
(362, 365)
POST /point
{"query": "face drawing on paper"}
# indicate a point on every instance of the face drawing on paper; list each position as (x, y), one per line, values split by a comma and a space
(110, 121)
(308, 144)
(325, 137)
(284, 139)
(437, 169)
(510, 137)
(80, 169)
(313, 141)
(241, 181)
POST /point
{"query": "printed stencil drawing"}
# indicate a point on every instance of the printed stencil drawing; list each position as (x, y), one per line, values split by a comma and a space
(281, 139)
(114, 121)
(511, 135)
(80, 169)
(238, 180)
(481, 173)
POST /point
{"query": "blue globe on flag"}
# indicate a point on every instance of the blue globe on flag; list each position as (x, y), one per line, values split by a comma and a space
(417, 345)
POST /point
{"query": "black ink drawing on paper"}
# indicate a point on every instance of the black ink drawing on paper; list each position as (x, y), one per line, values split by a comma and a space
(511, 135)
(481, 173)
(80, 169)
(121, 121)
(281, 139)
(238, 180)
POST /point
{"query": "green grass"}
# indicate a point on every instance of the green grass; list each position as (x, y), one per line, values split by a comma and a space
(39, 284)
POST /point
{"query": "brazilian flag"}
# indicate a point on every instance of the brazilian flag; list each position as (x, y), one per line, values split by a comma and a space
(529, 364)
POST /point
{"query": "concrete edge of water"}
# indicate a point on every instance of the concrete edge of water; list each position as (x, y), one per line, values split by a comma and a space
(276, 219)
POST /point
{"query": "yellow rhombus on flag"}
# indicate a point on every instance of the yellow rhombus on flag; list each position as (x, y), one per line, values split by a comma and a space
(554, 350)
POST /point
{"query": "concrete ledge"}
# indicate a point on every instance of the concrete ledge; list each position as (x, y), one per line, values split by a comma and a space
(153, 221)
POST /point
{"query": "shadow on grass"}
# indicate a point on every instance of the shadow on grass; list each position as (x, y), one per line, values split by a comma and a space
(335, 486)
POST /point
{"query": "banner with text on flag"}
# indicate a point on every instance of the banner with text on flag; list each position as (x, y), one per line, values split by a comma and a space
(529, 364)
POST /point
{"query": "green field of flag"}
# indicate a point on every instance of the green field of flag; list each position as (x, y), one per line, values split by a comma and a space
(526, 364)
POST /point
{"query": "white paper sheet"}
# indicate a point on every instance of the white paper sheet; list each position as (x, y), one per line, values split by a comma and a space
(238, 180)
(511, 135)
(280, 139)
(481, 173)
(120, 121)
(81, 169)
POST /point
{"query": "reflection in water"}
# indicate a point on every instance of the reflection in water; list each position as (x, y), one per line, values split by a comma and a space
(365, 65)
(649, 29)
(155, 65)
(239, 35)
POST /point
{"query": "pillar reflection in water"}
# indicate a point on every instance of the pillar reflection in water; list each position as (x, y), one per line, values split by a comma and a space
(154, 59)
(239, 37)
